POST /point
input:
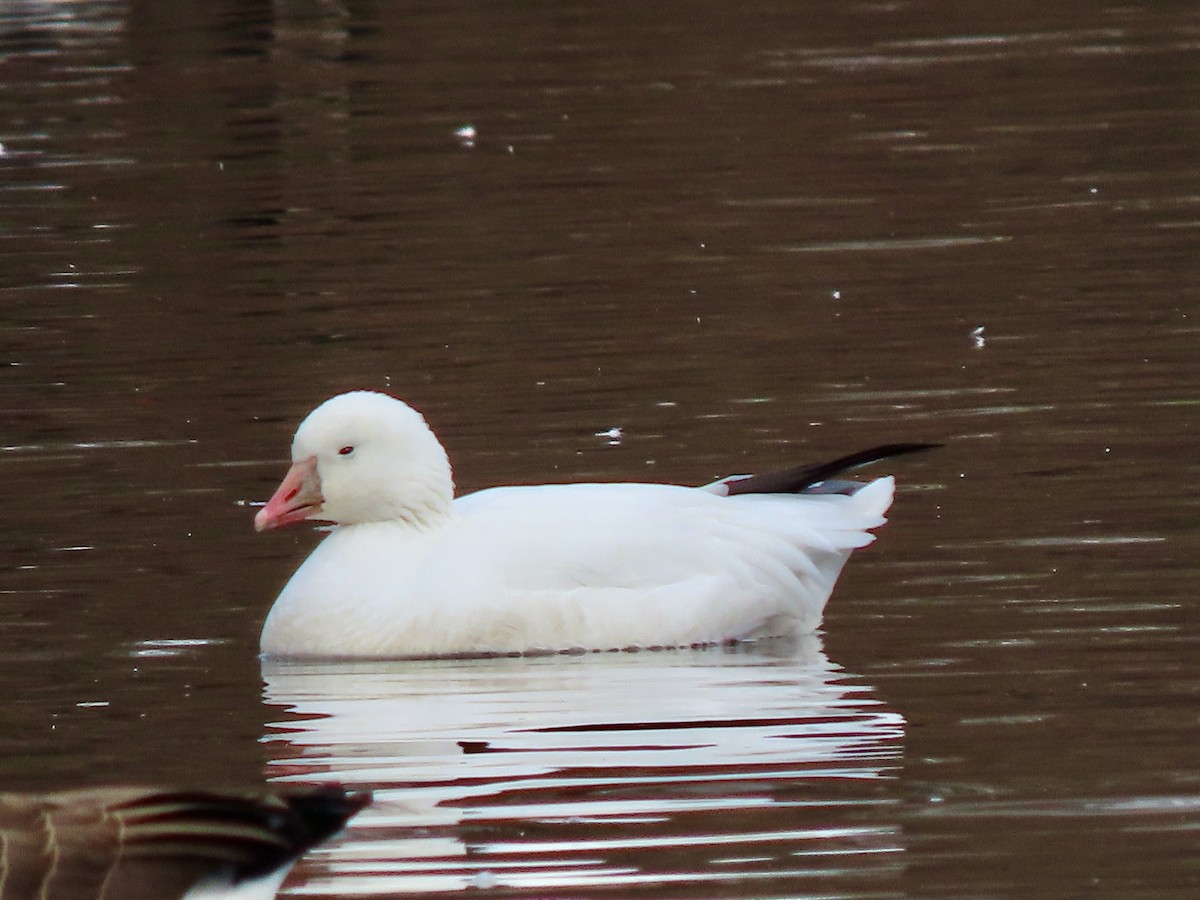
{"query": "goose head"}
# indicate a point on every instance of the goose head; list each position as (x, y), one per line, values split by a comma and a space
(362, 457)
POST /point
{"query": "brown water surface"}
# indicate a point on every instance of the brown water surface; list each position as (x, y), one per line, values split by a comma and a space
(746, 235)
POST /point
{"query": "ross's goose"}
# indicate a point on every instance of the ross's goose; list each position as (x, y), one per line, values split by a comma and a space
(410, 571)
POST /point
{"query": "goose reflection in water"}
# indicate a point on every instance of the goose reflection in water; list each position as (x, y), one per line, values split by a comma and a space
(568, 772)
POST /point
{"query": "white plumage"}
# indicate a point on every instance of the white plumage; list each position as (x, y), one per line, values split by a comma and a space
(409, 571)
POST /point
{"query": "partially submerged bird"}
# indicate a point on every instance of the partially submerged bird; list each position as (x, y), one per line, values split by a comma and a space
(410, 571)
(136, 843)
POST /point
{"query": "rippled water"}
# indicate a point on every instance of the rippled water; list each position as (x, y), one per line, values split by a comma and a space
(745, 237)
(703, 770)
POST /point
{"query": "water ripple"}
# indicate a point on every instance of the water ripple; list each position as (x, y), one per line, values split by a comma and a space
(607, 769)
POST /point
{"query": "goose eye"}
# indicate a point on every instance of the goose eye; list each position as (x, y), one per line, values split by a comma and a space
(346, 451)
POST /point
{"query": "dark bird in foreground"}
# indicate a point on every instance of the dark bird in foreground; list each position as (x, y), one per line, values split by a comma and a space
(137, 843)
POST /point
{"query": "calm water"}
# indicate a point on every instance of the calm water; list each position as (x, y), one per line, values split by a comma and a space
(746, 237)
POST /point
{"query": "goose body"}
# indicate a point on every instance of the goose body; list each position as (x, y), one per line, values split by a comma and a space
(409, 571)
(137, 843)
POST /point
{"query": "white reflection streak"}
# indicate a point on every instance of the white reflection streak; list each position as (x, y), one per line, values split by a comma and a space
(929, 243)
(619, 745)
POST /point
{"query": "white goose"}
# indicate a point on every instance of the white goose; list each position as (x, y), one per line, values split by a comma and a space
(410, 571)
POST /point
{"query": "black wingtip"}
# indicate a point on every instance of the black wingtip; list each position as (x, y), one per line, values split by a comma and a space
(801, 478)
(322, 812)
